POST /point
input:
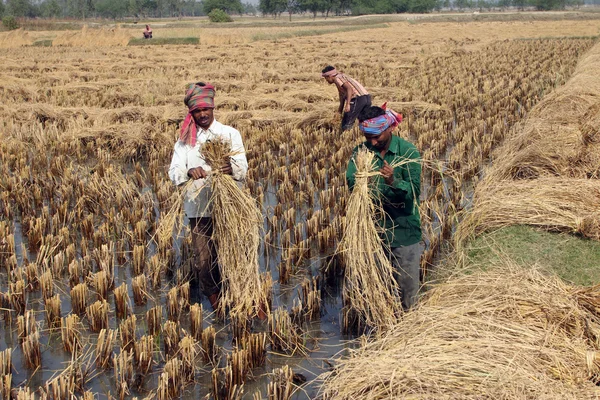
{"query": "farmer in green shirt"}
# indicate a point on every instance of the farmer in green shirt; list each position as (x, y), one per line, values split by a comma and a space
(398, 187)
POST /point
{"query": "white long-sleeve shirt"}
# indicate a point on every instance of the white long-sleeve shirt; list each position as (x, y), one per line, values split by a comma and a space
(185, 157)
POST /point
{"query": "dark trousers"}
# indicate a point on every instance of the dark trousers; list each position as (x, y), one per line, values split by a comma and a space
(406, 261)
(356, 106)
(205, 264)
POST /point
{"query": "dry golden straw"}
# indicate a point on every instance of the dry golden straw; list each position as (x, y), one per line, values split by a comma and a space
(236, 224)
(281, 386)
(171, 334)
(223, 387)
(509, 333)
(369, 284)
(122, 301)
(140, 290)
(104, 347)
(196, 321)
(284, 334)
(79, 295)
(123, 369)
(127, 332)
(144, 354)
(71, 333)
(210, 349)
(154, 320)
(97, 314)
(52, 307)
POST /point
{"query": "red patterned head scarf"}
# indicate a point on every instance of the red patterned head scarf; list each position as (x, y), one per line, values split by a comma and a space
(375, 126)
(197, 95)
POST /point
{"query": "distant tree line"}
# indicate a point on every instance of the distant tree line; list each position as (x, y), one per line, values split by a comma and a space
(359, 7)
(82, 9)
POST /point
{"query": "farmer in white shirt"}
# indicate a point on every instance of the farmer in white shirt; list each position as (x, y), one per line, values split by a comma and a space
(198, 127)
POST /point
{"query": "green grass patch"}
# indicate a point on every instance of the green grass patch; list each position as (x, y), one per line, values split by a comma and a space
(572, 258)
(49, 25)
(312, 32)
(43, 43)
(163, 41)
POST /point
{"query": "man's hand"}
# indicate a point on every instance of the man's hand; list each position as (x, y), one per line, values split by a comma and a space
(388, 173)
(197, 173)
(226, 169)
(347, 107)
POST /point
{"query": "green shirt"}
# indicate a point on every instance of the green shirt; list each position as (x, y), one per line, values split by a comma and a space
(401, 220)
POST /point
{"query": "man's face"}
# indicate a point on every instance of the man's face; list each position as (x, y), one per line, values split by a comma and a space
(203, 117)
(329, 79)
(381, 141)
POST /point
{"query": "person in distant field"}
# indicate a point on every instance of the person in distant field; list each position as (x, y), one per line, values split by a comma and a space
(188, 163)
(353, 96)
(398, 190)
(148, 32)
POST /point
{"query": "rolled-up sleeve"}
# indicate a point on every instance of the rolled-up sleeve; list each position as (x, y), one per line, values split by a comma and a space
(178, 169)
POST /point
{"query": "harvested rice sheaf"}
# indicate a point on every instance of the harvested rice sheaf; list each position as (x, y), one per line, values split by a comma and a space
(369, 284)
(504, 334)
(236, 224)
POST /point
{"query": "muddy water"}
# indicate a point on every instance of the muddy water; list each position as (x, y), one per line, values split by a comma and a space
(322, 338)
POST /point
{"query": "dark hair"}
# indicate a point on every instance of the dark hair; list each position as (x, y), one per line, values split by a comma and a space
(327, 69)
(200, 84)
(370, 112)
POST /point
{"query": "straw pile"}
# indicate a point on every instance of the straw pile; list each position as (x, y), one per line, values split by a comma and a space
(369, 285)
(109, 36)
(504, 334)
(236, 222)
(15, 38)
(556, 204)
(546, 174)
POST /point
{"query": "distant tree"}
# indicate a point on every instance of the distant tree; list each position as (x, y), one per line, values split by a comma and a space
(148, 7)
(19, 8)
(422, 6)
(10, 22)
(133, 8)
(546, 5)
(111, 8)
(291, 7)
(504, 4)
(174, 7)
(1, 8)
(312, 6)
(218, 15)
(50, 9)
(229, 6)
(249, 8)
(520, 4)
(79, 8)
(192, 8)
(273, 7)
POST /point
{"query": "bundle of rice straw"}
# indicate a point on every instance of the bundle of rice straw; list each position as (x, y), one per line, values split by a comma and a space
(509, 333)
(369, 285)
(553, 203)
(236, 222)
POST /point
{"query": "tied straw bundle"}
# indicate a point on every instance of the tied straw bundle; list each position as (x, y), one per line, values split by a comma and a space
(369, 285)
(236, 222)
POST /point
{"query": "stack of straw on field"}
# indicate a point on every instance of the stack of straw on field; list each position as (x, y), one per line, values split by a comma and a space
(236, 222)
(504, 334)
(369, 284)
(546, 174)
